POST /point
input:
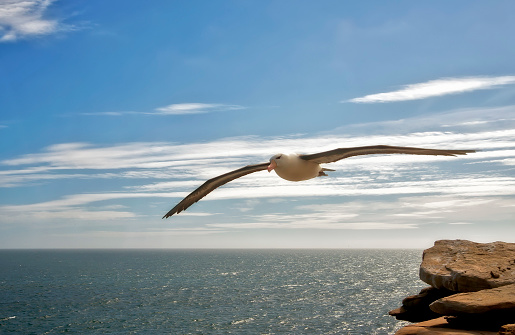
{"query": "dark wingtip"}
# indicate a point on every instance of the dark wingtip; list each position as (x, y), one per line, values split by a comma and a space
(460, 152)
(173, 211)
(167, 215)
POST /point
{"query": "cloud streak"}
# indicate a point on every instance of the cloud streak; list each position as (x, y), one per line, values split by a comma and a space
(213, 157)
(434, 88)
(194, 108)
(160, 171)
(406, 212)
(175, 109)
(23, 19)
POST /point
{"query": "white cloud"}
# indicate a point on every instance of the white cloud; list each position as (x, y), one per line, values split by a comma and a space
(168, 170)
(466, 120)
(454, 193)
(77, 207)
(313, 223)
(26, 18)
(144, 234)
(435, 88)
(194, 108)
(108, 113)
(478, 185)
(81, 199)
(174, 109)
(402, 213)
(204, 159)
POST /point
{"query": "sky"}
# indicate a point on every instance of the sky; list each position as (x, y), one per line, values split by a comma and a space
(112, 111)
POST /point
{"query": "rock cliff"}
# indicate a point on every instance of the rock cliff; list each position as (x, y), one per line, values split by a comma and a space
(472, 290)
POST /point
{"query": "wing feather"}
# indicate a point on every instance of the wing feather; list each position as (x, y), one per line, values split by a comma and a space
(341, 153)
(212, 184)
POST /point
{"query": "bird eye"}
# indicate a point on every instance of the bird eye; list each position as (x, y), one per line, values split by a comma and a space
(279, 157)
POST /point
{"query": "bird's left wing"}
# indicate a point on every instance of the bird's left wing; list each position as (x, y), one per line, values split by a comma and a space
(213, 183)
(337, 154)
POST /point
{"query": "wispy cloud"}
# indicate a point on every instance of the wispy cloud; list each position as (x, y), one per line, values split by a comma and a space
(163, 170)
(405, 212)
(26, 18)
(213, 157)
(436, 88)
(77, 207)
(174, 109)
(185, 165)
(153, 233)
(108, 113)
(194, 108)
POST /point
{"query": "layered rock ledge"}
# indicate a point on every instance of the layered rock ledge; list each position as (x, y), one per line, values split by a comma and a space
(472, 290)
(465, 266)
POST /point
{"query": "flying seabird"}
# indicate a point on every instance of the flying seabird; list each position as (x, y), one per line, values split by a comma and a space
(294, 167)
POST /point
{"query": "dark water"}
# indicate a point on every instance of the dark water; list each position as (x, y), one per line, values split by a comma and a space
(205, 292)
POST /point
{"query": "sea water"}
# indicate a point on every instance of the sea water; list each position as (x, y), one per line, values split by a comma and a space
(205, 291)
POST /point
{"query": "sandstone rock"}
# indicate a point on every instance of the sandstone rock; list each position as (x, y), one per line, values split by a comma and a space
(507, 329)
(439, 326)
(486, 309)
(485, 301)
(464, 266)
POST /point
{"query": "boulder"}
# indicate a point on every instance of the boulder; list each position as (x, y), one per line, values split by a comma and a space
(485, 301)
(486, 309)
(465, 266)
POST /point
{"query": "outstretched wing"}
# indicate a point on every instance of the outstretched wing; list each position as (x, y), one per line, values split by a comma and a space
(211, 184)
(337, 154)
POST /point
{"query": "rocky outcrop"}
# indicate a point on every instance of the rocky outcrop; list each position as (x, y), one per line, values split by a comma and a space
(472, 285)
(485, 301)
(465, 266)
(488, 309)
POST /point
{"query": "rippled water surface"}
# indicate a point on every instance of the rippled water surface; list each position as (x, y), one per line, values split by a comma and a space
(205, 292)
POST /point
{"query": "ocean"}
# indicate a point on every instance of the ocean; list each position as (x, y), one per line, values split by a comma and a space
(205, 291)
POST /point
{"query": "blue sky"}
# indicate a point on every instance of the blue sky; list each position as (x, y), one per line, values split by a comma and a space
(112, 111)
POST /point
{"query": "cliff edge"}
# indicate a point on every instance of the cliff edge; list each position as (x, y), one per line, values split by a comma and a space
(472, 290)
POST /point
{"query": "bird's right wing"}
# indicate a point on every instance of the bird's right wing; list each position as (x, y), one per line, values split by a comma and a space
(337, 154)
(212, 184)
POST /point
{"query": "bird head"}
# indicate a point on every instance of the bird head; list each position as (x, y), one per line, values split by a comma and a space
(274, 162)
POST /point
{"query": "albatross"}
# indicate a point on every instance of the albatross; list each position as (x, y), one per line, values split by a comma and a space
(295, 167)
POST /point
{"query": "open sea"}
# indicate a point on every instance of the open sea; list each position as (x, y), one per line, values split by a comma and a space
(205, 291)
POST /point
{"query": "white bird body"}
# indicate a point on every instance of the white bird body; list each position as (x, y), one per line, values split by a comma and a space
(294, 167)
(291, 167)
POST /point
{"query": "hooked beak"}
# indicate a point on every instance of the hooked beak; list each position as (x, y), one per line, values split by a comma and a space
(272, 165)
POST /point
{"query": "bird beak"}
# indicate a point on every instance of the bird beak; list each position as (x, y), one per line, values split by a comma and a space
(272, 165)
